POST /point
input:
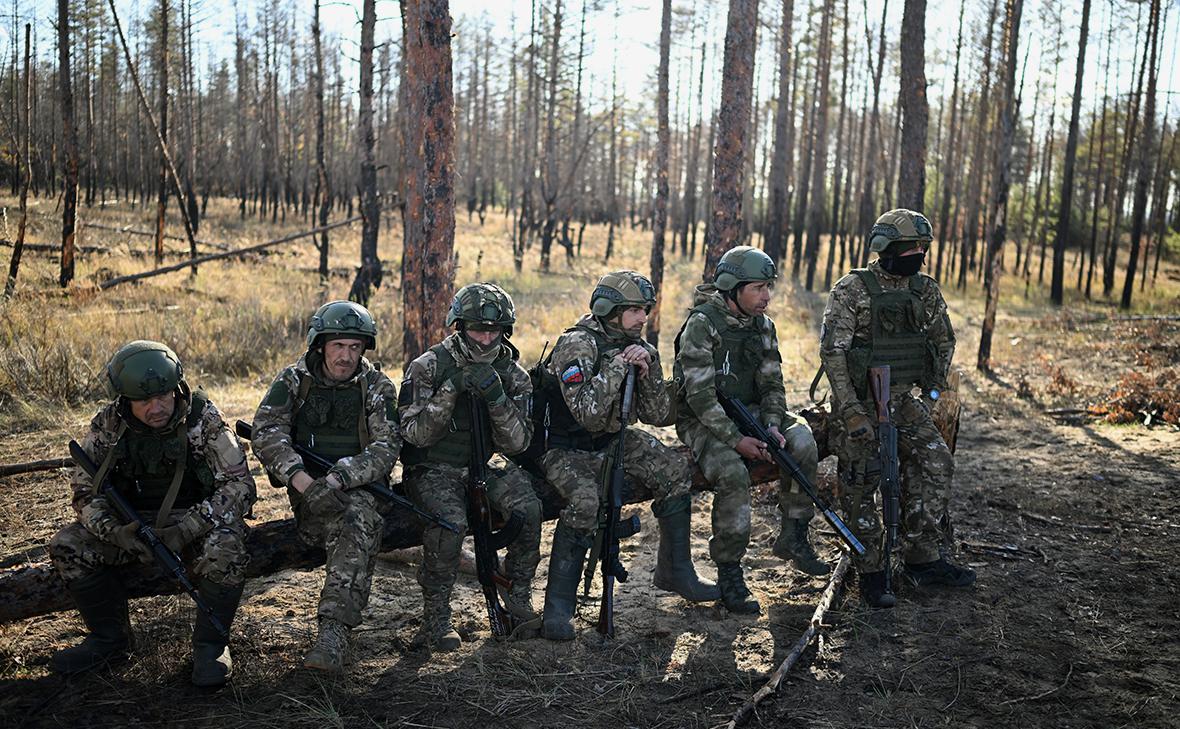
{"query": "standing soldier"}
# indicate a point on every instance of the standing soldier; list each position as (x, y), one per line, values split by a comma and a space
(336, 404)
(729, 344)
(437, 420)
(169, 453)
(889, 314)
(588, 367)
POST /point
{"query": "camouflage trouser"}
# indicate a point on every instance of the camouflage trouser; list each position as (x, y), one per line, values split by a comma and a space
(577, 476)
(219, 555)
(726, 471)
(352, 540)
(925, 466)
(442, 489)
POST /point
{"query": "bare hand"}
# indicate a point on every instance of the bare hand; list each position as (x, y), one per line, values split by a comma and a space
(752, 449)
(778, 436)
(636, 355)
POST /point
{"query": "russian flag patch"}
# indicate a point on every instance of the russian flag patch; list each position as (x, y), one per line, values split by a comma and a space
(572, 375)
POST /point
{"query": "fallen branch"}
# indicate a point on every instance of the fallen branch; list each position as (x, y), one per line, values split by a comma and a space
(1052, 521)
(151, 234)
(227, 254)
(33, 466)
(1043, 694)
(776, 678)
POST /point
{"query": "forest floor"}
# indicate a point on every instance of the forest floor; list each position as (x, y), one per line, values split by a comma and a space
(1069, 521)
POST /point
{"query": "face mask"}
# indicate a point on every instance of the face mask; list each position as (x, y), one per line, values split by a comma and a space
(903, 265)
(477, 352)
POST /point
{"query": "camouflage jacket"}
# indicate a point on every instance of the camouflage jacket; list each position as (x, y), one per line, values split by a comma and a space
(273, 421)
(210, 439)
(425, 410)
(591, 382)
(697, 341)
(848, 315)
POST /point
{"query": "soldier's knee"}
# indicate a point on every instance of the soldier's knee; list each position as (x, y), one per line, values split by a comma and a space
(441, 547)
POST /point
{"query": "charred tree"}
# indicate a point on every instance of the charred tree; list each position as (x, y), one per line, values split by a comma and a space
(69, 216)
(368, 275)
(660, 211)
(323, 191)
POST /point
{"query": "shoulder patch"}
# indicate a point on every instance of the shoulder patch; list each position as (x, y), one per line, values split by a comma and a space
(406, 396)
(572, 374)
(278, 394)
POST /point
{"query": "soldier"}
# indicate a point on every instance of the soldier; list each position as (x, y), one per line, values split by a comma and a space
(334, 402)
(167, 450)
(588, 367)
(729, 343)
(436, 419)
(889, 314)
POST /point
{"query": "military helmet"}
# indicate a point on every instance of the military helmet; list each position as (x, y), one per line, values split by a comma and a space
(143, 369)
(483, 303)
(621, 288)
(743, 264)
(899, 225)
(342, 319)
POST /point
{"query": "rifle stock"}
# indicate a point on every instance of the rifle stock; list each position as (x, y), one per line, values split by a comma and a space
(167, 560)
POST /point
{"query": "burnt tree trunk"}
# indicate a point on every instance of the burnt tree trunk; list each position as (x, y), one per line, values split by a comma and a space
(733, 120)
(26, 174)
(368, 275)
(69, 216)
(660, 213)
(429, 219)
(162, 193)
(323, 191)
(915, 109)
(1057, 283)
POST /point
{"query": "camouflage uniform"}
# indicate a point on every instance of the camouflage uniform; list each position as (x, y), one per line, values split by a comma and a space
(353, 537)
(432, 397)
(889, 314)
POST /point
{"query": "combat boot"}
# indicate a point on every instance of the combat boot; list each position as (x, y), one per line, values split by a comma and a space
(561, 592)
(794, 544)
(102, 603)
(437, 633)
(939, 572)
(212, 664)
(330, 646)
(873, 592)
(674, 569)
(734, 593)
(518, 600)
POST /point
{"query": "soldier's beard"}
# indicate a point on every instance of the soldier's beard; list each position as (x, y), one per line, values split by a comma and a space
(614, 331)
(480, 353)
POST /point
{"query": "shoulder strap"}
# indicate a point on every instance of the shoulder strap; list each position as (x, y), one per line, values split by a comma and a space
(304, 388)
(445, 361)
(362, 426)
(870, 281)
(109, 460)
(197, 407)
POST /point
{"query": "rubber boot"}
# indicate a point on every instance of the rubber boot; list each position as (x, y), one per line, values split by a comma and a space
(212, 664)
(674, 569)
(437, 633)
(734, 593)
(561, 592)
(872, 590)
(794, 544)
(939, 572)
(330, 646)
(102, 603)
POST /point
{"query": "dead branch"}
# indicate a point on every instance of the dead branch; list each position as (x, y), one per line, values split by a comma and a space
(150, 234)
(33, 466)
(776, 678)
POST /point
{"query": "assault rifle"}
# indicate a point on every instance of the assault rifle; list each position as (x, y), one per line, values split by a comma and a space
(168, 560)
(610, 527)
(245, 431)
(749, 425)
(479, 517)
(887, 453)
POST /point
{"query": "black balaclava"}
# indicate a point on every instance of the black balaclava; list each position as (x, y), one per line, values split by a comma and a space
(903, 265)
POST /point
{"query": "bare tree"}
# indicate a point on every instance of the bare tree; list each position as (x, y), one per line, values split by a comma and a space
(1147, 153)
(816, 212)
(69, 145)
(781, 160)
(26, 172)
(323, 191)
(369, 273)
(1057, 285)
(660, 212)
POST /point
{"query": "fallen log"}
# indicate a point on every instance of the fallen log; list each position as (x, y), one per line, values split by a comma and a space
(33, 466)
(36, 589)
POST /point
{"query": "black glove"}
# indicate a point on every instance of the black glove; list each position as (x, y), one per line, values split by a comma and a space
(483, 380)
(324, 500)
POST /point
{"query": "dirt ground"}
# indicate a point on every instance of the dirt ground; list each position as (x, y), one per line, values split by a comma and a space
(1070, 523)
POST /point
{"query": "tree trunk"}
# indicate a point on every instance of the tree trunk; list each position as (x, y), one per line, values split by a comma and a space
(162, 193)
(1002, 177)
(1057, 285)
(776, 229)
(1147, 154)
(429, 219)
(368, 275)
(733, 119)
(869, 183)
(26, 173)
(660, 213)
(840, 161)
(552, 179)
(978, 161)
(323, 191)
(817, 210)
(911, 185)
(69, 145)
(949, 170)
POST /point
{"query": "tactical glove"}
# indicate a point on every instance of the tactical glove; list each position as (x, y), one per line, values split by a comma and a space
(860, 429)
(324, 500)
(125, 538)
(482, 379)
(184, 531)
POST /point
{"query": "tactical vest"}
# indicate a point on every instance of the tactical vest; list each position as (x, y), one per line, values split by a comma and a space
(897, 337)
(454, 448)
(552, 419)
(737, 360)
(145, 464)
(330, 421)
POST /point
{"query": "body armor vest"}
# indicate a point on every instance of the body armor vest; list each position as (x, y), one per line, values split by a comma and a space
(897, 337)
(455, 446)
(552, 417)
(144, 465)
(330, 421)
(737, 360)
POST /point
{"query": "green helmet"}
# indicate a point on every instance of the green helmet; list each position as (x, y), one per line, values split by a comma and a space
(342, 319)
(144, 369)
(899, 225)
(621, 288)
(483, 303)
(743, 264)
